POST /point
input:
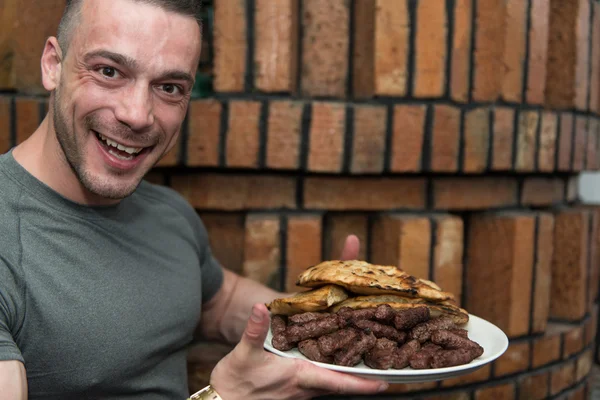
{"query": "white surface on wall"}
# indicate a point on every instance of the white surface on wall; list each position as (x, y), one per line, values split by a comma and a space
(589, 187)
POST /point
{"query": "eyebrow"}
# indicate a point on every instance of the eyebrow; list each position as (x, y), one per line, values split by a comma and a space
(130, 63)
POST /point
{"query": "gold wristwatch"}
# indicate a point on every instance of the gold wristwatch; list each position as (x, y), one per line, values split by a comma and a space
(208, 393)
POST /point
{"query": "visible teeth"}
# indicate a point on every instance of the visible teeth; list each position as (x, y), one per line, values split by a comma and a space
(120, 157)
(130, 150)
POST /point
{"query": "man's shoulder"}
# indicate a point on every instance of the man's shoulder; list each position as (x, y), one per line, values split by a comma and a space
(167, 197)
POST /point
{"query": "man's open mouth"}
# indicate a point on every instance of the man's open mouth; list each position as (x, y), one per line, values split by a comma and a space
(118, 150)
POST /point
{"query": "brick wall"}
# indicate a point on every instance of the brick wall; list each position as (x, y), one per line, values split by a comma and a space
(447, 134)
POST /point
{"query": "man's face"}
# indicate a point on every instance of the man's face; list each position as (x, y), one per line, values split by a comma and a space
(123, 92)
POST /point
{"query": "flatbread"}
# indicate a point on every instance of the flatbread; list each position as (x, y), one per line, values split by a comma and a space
(311, 300)
(458, 315)
(361, 277)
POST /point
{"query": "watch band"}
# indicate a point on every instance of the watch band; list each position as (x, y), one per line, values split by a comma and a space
(207, 393)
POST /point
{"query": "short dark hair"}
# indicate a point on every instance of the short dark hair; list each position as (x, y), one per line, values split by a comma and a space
(191, 8)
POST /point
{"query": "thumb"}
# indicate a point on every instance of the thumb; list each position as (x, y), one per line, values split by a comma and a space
(256, 330)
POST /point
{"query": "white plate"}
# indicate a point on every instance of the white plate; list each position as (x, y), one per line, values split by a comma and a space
(489, 336)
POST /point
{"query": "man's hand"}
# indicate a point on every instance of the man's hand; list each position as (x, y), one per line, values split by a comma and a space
(249, 372)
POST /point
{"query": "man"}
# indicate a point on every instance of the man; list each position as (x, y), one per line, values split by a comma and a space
(104, 280)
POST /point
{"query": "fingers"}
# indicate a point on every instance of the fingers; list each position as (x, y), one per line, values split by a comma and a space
(351, 248)
(256, 329)
(312, 377)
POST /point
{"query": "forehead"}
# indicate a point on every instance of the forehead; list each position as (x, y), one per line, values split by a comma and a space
(157, 39)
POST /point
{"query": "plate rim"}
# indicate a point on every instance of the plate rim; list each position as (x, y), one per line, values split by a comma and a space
(407, 372)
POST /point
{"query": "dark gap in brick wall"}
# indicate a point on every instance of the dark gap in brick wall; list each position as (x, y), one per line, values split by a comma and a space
(536, 234)
(351, 29)
(429, 195)
(490, 149)
(183, 141)
(412, 17)
(573, 144)
(348, 140)
(250, 35)
(300, 191)
(41, 111)
(461, 142)
(558, 138)
(283, 235)
(326, 237)
(465, 259)
(427, 139)
(515, 142)
(263, 137)
(526, 60)
(387, 152)
(586, 140)
(450, 5)
(474, 27)
(432, 246)
(536, 147)
(224, 127)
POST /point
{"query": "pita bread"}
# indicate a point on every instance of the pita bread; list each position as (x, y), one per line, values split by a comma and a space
(361, 277)
(311, 300)
(458, 315)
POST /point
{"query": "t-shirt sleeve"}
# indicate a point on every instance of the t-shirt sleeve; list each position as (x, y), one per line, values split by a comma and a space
(10, 295)
(212, 275)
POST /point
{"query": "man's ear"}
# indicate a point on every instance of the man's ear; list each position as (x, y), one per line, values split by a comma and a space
(51, 64)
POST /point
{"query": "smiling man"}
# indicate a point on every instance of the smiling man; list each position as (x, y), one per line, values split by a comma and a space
(106, 279)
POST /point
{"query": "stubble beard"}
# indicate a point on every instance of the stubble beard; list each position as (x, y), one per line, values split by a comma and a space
(73, 154)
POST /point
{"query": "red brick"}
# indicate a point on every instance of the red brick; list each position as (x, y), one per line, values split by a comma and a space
(562, 377)
(275, 45)
(538, 51)
(526, 140)
(30, 25)
(489, 49)
(514, 50)
(543, 272)
(410, 387)
(502, 146)
(482, 374)
(339, 227)
(403, 240)
(8, 12)
(547, 142)
(392, 32)
(580, 138)
(573, 341)
(498, 392)
(591, 157)
(579, 394)
(595, 78)
(591, 325)
(5, 140)
(566, 79)
(326, 144)
(284, 127)
(243, 136)
(569, 265)
(448, 254)
(204, 129)
(476, 140)
(407, 138)
(430, 49)
(565, 142)
(262, 249)
(363, 52)
(226, 234)
(236, 192)
(540, 191)
(474, 193)
(303, 247)
(501, 293)
(546, 349)
(534, 387)
(454, 395)
(369, 139)
(445, 139)
(514, 360)
(28, 117)
(230, 45)
(325, 47)
(364, 193)
(461, 51)
(594, 260)
(583, 365)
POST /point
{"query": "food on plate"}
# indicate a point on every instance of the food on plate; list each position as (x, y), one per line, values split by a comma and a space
(357, 312)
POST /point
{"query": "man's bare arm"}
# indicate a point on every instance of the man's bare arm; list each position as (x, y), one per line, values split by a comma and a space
(13, 380)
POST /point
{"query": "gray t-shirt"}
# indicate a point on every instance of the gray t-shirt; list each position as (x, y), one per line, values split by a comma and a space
(100, 302)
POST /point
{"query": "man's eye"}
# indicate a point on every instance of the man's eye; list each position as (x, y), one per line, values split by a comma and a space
(170, 88)
(108, 72)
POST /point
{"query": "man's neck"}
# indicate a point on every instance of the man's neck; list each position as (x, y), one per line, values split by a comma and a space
(42, 156)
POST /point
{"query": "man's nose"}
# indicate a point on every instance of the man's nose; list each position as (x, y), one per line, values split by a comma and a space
(135, 108)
